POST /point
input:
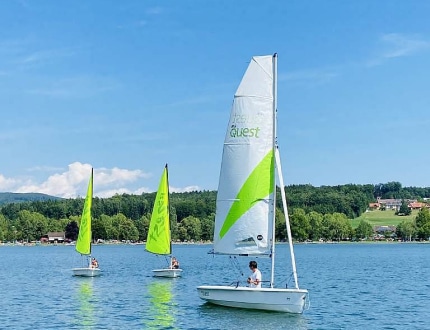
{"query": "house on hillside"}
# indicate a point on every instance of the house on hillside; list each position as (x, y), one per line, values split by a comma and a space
(416, 205)
(374, 206)
(390, 203)
(393, 204)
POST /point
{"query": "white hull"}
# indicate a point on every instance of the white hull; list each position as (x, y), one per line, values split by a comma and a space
(168, 272)
(86, 272)
(270, 299)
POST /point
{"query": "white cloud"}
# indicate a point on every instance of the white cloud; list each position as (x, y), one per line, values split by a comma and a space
(117, 176)
(64, 185)
(390, 45)
(403, 45)
(7, 184)
(398, 45)
(44, 169)
(73, 182)
(142, 190)
(186, 189)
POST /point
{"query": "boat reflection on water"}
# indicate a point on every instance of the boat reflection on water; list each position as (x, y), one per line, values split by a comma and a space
(86, 304)
(161, 305)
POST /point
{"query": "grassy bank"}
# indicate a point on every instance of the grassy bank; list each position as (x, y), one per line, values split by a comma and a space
(383, 218)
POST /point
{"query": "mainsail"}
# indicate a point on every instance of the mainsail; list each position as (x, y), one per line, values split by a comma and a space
(83, 244)
(244, 206)
(158, 240)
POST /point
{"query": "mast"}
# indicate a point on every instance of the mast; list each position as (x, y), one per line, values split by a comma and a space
(168, 211)
(91, 213)
(275, 106)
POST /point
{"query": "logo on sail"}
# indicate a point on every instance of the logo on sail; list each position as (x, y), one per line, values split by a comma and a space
(245, 125)
(244, 132)
(158, 223)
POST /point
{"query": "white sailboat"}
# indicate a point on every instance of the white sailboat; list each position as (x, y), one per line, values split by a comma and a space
(159, 238)
(83, 244)
(245, 206)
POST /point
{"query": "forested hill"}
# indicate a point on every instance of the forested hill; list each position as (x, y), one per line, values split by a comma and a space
(351, 200)
(8, 197)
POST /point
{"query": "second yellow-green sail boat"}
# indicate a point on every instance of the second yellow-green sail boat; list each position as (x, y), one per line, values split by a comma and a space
(83, 244)
(159, 234)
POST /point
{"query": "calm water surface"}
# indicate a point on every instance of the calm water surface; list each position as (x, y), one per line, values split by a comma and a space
(352, 286)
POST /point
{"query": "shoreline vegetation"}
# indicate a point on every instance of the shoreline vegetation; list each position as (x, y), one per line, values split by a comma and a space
(337, 213)
(208, 243)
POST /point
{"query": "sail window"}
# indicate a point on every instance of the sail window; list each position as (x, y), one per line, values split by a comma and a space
(246, 242)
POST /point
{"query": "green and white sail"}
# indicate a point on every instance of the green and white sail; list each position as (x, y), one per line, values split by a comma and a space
(244, 206)
(83, 244)
(158, 240)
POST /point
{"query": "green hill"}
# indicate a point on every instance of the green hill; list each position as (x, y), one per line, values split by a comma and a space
(383, 218)
(8, 197)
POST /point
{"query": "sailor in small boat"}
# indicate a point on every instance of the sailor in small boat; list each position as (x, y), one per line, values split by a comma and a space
(254, 279)
(94, 263)
(175, 263)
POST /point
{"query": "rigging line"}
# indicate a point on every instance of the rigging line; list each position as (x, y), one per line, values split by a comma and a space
(167, 260)
(289, 279)
(236, 264)
(286, 280)
(234, 260)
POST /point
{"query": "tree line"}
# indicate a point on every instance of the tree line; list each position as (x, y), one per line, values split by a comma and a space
(315, 212)
(419, 229)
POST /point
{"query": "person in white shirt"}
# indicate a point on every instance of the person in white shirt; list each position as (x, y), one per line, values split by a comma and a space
(254, 279)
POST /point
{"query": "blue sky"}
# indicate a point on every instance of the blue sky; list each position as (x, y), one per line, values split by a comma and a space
(127, 86)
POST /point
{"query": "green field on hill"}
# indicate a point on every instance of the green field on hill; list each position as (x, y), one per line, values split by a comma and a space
(382, 218)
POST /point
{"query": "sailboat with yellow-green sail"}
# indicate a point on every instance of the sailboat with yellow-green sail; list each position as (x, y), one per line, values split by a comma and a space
(90, 266)
(159, 234)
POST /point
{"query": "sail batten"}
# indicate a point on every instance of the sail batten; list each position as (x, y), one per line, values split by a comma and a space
(253, 96)
(158, 239)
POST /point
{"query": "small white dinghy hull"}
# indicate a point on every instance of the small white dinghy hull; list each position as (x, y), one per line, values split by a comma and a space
(167, 272)
(86, 272)
(270, 299)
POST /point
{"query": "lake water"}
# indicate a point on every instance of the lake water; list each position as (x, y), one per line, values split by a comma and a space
(352, 286)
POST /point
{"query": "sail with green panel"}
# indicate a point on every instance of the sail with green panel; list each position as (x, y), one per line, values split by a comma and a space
(158, 239)
(245, 198)
(83, 244)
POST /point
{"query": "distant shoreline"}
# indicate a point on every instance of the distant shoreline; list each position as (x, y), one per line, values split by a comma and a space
(210, 243)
